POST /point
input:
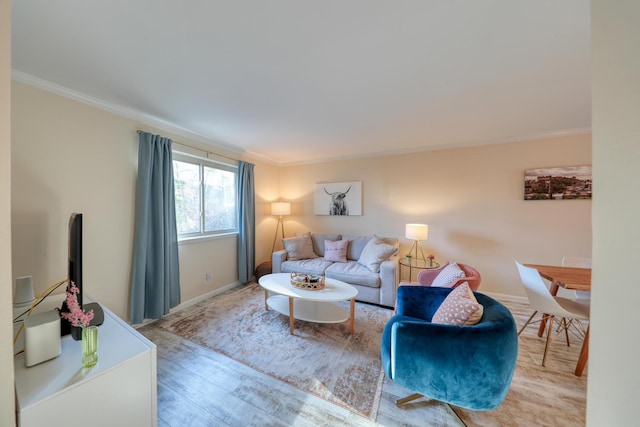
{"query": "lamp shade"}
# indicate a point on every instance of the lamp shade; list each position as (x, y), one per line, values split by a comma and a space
(416, 231)
(280, 208)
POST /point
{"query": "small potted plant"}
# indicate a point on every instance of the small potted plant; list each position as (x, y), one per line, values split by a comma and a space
(430, 258)
(408, 258)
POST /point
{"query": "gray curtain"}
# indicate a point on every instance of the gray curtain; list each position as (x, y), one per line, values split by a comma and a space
(247, 222)
(155, 279)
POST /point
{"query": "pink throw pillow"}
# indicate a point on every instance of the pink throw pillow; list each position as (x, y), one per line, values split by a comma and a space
(459, 308)
(336, 250)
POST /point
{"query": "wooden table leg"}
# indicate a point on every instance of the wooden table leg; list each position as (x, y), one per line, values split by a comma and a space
(291, 318)
(554, 291)
(352, 319)
(584, 354)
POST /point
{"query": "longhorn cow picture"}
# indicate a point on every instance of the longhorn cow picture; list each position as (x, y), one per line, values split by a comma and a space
(338, 199)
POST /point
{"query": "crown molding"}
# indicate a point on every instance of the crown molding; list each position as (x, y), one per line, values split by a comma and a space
(163, 125)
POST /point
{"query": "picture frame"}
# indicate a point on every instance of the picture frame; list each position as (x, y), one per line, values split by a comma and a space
(338, 198)
(558, 183)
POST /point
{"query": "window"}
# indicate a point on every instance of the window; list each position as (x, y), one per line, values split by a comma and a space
(205, 196)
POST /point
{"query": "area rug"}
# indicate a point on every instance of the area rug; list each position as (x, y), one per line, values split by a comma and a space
(322, 359)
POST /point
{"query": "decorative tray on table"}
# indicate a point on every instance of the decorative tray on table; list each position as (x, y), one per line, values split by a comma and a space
(308, 282)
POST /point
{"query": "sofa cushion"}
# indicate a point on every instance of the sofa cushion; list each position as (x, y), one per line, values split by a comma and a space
(375, 252)
(356, 246)
(448, 276)
(306, 266)
(460, 307)
(318, 241)
(299, 247)
(354, 273)
(336, 250)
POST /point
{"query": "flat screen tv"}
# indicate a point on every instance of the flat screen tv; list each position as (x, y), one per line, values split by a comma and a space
(75, 272)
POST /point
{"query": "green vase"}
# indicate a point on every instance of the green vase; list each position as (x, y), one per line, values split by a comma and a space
(89, 346)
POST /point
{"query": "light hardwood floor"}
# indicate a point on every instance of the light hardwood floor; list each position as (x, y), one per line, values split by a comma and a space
(200, 387)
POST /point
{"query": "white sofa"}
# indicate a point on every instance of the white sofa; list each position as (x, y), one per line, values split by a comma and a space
(373, 287)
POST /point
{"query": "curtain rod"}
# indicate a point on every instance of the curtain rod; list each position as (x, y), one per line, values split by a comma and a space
(196, 148)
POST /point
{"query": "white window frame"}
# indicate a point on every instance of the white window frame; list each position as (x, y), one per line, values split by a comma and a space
(202, 162)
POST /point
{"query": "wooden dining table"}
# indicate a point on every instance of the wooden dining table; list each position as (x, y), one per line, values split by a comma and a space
(573, 278)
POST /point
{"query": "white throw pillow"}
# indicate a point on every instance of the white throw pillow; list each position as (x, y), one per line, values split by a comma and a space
(460, 308)
(448, 276)
(374, 253)
(299, 247)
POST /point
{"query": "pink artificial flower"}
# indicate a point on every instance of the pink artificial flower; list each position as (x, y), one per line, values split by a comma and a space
(76, 316)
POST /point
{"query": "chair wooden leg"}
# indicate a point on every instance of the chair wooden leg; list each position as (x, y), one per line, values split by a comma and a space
(546, 347)
(566, 329)
(527, 323)
(409, 398)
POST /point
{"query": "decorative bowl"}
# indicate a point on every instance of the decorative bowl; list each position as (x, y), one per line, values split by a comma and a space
(308, 282)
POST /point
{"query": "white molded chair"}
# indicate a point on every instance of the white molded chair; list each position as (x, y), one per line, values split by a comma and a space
(562, 310)
(572, 261)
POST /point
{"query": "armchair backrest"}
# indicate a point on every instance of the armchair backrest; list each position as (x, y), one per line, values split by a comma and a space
(426, 277)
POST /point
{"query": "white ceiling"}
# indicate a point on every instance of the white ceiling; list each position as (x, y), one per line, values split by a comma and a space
(294, 81)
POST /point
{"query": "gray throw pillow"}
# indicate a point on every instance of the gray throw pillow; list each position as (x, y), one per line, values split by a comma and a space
(299, 247)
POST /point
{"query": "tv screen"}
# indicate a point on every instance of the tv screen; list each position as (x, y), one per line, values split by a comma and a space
(75, 271)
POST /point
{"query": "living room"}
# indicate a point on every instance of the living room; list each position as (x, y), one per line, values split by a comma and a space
(80, 157)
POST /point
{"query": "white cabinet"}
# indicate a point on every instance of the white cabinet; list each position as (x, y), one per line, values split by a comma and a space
(121, 390)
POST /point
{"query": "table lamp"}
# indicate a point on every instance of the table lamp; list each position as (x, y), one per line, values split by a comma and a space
(280, 209)
(417, 232)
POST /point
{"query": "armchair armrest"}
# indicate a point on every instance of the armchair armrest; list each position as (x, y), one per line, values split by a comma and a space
(473, 281)
(472, 276)
(277, 258)
(426, 277)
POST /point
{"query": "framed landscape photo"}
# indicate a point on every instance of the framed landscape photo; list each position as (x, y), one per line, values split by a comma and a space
(338, 198)
(559, 183)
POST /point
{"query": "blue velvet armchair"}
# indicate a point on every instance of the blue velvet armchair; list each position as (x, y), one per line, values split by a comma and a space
(467, 366)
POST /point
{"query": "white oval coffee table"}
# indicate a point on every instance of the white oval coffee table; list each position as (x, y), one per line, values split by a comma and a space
(312, 306)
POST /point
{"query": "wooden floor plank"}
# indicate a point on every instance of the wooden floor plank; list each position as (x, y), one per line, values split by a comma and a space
(200, 387)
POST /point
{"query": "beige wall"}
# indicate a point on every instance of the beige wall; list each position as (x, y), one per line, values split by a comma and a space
(69, 157)
(7, 417)
(471, 198)
(614, 375)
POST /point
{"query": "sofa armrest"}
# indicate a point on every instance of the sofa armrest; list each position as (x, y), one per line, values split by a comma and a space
(389, 276)
(277, 258)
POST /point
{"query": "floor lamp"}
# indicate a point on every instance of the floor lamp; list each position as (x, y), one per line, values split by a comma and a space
(280, 209)
(417, 232)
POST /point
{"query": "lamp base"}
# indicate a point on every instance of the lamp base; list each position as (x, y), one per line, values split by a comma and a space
(414, 248)
(275, 237)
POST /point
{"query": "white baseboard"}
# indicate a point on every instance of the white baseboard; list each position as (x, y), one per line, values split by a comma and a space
(193, 301)
(506, 297)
